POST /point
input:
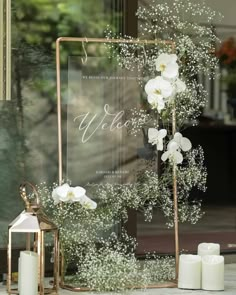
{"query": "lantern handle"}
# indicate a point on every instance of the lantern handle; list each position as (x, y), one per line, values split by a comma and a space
(25, 197)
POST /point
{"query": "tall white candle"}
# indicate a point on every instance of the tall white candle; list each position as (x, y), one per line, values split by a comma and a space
(213, 273)
(28, 283)
(208, 249)
(189, 271)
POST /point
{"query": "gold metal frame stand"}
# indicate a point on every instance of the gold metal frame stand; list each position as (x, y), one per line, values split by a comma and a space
(60, 40)
(5, 50)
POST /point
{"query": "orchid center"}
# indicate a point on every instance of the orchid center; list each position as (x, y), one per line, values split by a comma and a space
(157, 91)
(70, 195)
(162, 67)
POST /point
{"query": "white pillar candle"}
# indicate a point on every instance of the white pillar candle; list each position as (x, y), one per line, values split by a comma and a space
(189, 271)
(213, 273)
(28, 283)
(208, 249)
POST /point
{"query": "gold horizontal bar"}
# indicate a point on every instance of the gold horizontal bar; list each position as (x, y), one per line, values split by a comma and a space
(105, 40)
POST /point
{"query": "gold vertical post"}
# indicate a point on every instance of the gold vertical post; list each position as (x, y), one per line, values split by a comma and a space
(9, 264)
(28, 240)
(175, 196)
(35, 242)
(8, 49)
(56, 261)
(58, 72)
(41, 267)
(1, 50)
(38, 242)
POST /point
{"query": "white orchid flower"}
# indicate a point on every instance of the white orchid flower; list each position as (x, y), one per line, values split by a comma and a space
(183, 142)
(174, 146)
(156, 103)
(167, 65)
(156, 136)
(172, 153)
(87, 203)
(157, 90)
(66, 193)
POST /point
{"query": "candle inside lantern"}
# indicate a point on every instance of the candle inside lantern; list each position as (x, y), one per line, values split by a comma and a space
(213, 273)
(28, 270)
(208, 249)
(189, 271)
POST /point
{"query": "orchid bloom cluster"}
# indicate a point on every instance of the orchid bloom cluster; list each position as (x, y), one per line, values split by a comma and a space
(160, 90)
(164, 87)
(174, 147)
(68, 194)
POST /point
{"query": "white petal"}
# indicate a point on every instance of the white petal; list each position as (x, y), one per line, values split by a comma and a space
(165, 156)
(79, 191)
(172, 146)
(173, 58)
(160, 105)
(162, 133)
(160, 145)
(185, 144)
(152, 135)
(165, 87)
(177, 137)
(177, 157)
(87, 203)
(55, 197)
(171, 71)
(62, 190)
(150, 86)
(66, 198)
(152, 99)
(165, 59)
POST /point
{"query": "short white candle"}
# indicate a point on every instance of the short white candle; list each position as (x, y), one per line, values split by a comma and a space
(208, 249)
(190, 271)
(213, 273)
(28, 283)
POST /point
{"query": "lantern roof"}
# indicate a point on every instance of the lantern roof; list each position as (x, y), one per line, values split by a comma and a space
(31, 222)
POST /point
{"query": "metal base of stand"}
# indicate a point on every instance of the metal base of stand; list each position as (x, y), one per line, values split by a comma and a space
(169, 284)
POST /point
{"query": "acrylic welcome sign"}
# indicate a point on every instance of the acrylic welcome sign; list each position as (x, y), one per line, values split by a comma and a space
(101, 96)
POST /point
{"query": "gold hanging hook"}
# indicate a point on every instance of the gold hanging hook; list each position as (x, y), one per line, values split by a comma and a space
(144, 52)
(84, 60)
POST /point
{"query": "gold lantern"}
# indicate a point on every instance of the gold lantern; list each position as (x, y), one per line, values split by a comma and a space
(33, 222)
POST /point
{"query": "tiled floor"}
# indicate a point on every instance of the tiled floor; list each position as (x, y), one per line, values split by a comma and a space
(230, 287)
(215, 221)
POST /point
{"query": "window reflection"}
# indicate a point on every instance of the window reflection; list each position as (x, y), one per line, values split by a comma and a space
(28, 123)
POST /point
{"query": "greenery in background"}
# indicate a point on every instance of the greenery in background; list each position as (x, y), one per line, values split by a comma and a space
(29, 119)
